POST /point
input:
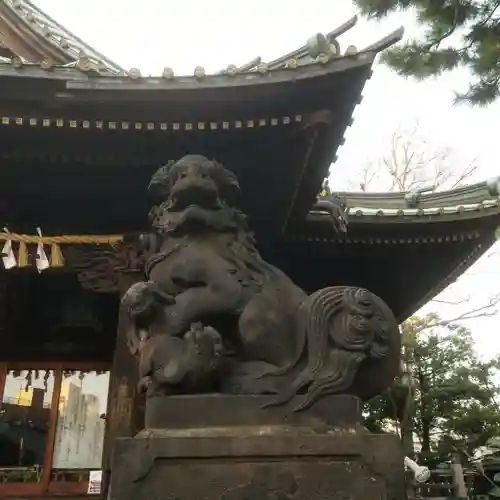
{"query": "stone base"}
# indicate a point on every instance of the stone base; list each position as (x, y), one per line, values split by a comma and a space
(302, 458)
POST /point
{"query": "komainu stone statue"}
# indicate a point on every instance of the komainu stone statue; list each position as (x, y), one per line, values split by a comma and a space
(214, 317)
(253, 386)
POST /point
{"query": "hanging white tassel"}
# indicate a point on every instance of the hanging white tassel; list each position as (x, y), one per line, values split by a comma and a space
(8, 257)
(42, 262)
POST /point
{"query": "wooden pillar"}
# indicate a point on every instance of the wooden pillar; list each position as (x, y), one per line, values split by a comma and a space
(125, 415)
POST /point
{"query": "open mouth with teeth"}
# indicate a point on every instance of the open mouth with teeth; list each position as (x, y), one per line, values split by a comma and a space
(202, 193)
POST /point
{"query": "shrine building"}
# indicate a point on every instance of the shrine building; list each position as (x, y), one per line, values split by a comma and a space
(80, 138)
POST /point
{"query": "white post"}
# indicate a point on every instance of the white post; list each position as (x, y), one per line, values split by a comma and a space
(457, 475)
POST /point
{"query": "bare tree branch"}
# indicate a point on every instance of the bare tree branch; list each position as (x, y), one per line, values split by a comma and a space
(491, 308)
(468, 172)
(451, 302)
(368, 176)
(412, 162)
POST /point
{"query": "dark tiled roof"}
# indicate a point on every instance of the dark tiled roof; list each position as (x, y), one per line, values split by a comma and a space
(49, 31)
(479, 199)
(319, 50)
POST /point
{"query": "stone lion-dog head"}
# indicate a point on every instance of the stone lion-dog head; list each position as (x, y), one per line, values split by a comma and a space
(194, 180)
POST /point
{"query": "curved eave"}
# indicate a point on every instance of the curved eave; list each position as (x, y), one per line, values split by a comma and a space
(448, 232)
(406, 226)
(302, 55)
(475, 193)
(287, 123)
(33, 35)
(331, 90)
(75, 79)
(428, 214)
(481, 247)
(303, 52)
(468, 202)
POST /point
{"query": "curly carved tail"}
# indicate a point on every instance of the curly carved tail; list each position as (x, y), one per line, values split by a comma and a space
(339, 333)
(313, 317)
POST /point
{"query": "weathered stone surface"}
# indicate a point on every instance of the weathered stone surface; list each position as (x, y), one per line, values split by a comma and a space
(218, 410)
(241, 458)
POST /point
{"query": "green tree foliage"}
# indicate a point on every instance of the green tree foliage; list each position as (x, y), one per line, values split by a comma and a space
(457, 33)
(454, 392)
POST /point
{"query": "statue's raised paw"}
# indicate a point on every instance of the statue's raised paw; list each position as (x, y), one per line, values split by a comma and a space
(205, 342)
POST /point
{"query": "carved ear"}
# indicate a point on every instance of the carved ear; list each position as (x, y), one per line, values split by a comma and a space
(159, 185)
(227, 182)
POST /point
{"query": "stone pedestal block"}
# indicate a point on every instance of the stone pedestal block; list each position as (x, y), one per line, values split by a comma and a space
(228, 448)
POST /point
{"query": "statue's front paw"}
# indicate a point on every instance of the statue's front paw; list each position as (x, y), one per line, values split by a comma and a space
(145, 385)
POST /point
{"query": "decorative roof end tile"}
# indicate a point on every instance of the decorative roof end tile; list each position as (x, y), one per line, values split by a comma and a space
(46, 63)
(135, 74)
(85, 64)
(412, 197)
(168, 74)
(494, 186)
(199, 72)
(16, 62)
(232, 70)
(263, 68)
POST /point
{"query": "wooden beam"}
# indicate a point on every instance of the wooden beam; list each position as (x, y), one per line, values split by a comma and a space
(52, 428)
(125, 415)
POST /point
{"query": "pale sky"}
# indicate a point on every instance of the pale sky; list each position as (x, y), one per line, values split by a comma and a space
(152, 34)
